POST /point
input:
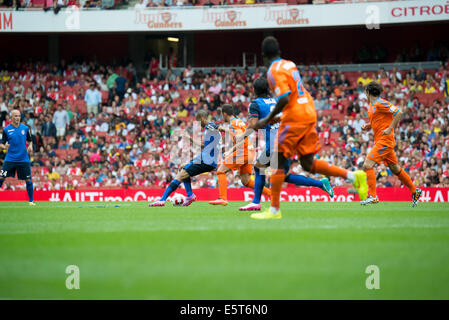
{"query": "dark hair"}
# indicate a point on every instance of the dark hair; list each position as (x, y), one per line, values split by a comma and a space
(261, 88)
(270, 47)
(228, 109)
(374, 88)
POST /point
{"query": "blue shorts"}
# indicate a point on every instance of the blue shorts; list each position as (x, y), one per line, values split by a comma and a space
(265, 158)
(194, 169)
(9, 169)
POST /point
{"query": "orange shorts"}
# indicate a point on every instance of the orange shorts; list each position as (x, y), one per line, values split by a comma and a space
(299, 139)
(383, 153)
(243, 164)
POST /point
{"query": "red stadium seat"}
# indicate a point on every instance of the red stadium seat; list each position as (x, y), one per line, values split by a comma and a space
(427, 99)
(104, 96)
(38, 3)
(82, 107)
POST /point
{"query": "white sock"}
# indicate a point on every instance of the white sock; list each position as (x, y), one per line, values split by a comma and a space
(274, 210)
(350, 176)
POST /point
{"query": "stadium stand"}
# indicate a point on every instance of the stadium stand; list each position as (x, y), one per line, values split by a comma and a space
(124, 139)
(118, 4)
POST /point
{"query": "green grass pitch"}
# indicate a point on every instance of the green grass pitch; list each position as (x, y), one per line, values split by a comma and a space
(317, 251)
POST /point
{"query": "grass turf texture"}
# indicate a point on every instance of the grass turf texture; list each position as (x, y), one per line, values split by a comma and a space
(317, 251)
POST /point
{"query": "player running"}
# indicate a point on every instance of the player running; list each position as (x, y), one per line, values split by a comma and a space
(206, 161)
(296, 133)
(14, 140)
(237, 159)
(383, 118)
(259, 109)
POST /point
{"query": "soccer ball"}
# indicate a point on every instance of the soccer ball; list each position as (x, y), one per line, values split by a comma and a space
(177, 199)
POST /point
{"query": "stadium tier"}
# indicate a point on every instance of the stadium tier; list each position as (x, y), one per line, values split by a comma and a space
(125, 138)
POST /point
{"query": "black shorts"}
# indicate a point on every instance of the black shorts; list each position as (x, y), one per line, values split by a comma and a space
(9, 169)
(194, 169)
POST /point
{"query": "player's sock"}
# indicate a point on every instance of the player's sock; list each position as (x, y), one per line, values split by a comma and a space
(30, 190)
(251, 184)
(1, 182)
(171, 187)
(277, 179)
(321, 166)
(259, 182)
(222, 185)
(371, 177)
(188, 187)
(405, 179)
(300, 180)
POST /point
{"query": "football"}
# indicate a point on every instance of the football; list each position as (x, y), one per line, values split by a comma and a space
(177, 199)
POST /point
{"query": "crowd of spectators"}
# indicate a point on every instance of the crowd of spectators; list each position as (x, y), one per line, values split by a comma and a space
(100, 125)
(141, 4)
(57, 5)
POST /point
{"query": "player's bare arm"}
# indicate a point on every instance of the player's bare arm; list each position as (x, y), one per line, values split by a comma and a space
(193, 141)
(396, 118)
(30, 147)
(223, 128)
(282, 102)
(366, 127)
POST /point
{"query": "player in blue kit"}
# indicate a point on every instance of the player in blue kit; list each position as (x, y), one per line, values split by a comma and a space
(259, 109)
(14, 140)
(206, 161)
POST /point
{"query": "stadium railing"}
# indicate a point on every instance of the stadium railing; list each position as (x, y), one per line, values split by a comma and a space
(359, 67)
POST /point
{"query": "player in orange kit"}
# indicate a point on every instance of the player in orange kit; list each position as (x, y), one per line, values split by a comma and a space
(383, 118)
(297, 133)
(241, 159)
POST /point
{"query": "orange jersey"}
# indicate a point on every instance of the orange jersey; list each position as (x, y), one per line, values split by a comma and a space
(236, 128)
(380, 114)
(284, 79)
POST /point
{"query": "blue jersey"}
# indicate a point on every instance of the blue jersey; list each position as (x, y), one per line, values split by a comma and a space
(17, 139)
(260, 108)
(209, 153)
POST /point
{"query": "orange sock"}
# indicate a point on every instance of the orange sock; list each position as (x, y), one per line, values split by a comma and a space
(371, 177)
(250, 184)
(277, 179)
(222, 185)
(405, 179)
(265, 191)
(321, 166)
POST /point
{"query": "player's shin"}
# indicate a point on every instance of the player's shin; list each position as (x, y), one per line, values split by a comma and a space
(29, 186)
(251, 184)
(259, 182)
(188, 187)
(222, 185)
(321, 166)
(300, 180)
(371, 178)
(405, 179)
(277, 179)
(170, 189)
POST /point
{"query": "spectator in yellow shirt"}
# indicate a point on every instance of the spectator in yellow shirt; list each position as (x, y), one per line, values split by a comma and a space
(191, 99)
(415, 86)
(364, 79)
(53, 175)
(429, 88)
(182, 112)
